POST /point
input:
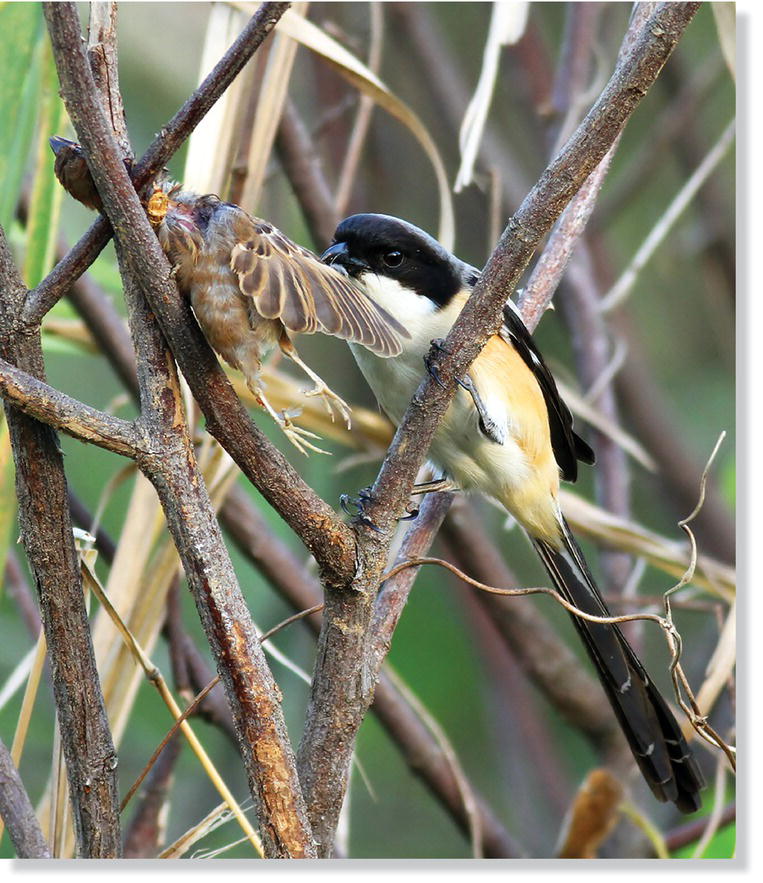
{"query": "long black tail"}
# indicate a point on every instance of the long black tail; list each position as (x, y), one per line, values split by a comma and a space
(653, 733)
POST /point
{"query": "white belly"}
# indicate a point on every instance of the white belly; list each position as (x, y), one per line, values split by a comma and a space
(459, 447)
(520, 472)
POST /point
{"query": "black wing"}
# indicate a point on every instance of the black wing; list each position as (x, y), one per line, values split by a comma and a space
(568, 446)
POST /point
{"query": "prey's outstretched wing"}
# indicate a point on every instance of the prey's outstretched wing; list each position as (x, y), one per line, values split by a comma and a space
(288, 282)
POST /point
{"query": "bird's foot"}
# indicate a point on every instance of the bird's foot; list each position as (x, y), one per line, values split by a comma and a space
(355, 507)
(332, 401)
(488, 426)
(438, 345)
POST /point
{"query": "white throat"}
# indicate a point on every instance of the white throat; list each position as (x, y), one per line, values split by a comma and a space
(393, 381)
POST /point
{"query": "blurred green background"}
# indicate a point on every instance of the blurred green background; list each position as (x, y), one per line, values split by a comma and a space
(678, 326)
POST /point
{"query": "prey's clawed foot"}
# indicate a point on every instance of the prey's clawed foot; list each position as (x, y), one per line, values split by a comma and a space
(331, 400)
(298, 436)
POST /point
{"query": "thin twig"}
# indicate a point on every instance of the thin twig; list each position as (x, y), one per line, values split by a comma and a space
(620, 290)
(18, 813)
(144, 836)
(673, 637)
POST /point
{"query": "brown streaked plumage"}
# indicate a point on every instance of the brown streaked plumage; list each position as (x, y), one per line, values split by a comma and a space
(72, 172)
(250, 286)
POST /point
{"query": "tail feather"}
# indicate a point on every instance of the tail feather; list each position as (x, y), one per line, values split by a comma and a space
(654, 736)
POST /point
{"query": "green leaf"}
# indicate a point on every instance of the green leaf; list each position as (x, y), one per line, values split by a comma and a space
(721, 845)
(45, 203)
(7, 494)
(21, 34)
(728, 481)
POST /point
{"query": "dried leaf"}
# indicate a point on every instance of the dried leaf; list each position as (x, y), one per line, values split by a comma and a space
(726, 24)
(207, 163)
(507, 25)
(273, 92)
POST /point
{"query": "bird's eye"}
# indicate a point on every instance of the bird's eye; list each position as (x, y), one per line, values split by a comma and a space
(392, 258)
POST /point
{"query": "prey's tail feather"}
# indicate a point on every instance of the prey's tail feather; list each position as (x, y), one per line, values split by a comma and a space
(652, 731)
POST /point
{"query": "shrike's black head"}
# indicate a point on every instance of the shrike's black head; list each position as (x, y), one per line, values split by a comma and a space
(388, 247)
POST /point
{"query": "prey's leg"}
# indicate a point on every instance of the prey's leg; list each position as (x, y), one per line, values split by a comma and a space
(330, 399)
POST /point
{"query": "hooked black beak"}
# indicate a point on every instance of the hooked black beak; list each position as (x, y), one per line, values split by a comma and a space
(338, 256)
(57, 143)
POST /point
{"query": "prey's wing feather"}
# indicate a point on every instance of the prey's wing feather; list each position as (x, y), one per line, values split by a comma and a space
(567, 445)
(288, 282)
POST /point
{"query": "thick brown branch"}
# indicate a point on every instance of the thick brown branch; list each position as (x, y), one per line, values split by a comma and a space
(47, 533)
(66, 414)
(170, 465)
(422, 753)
